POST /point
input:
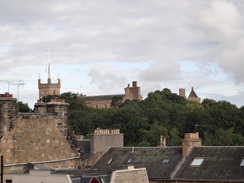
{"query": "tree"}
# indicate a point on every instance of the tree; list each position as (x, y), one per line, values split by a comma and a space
(23, 107)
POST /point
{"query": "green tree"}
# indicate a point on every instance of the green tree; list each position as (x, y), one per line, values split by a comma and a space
(23, 107)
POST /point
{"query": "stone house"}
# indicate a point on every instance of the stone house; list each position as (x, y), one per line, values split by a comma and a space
(190, 163)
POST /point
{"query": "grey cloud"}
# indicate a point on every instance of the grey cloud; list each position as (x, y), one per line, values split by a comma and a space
(167, 70)
(224, 23)
(95, 31)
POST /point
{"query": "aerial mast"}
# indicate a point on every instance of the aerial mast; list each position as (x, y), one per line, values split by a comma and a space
(49, 71)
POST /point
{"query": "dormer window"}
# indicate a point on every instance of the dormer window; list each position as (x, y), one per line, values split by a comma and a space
(197, 161)
(242, 162)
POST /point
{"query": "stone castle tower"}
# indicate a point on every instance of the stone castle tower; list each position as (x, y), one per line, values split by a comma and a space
(49, 88)
(133, 93)
(192, 96)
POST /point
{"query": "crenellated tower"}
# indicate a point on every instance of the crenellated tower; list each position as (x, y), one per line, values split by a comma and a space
(133, 93)
(49, 88)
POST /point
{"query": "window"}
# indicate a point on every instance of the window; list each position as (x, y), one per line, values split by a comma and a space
(165, 161)
(109, 161)
(197, 161)
(130, 160)
(242, 162)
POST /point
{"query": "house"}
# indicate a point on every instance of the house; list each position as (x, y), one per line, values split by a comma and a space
(158, 161)
(189, 163)
(213, 163)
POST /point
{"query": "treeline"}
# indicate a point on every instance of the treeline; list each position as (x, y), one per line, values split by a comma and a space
(161, 113)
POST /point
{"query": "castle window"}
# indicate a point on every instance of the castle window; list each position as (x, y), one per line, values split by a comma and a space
(242, 162)
(197, 161)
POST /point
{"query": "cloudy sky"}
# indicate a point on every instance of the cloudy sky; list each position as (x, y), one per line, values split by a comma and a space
(98, 47)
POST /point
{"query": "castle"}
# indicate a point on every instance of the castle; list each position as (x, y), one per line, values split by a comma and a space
(192, 96)
(104, 101)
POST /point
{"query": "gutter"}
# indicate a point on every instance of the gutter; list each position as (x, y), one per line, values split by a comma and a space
(42, 162)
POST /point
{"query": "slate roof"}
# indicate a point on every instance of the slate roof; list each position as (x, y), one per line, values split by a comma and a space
(117, 158)
(102, 97)
(85, 144)
(220, 163)
(192, 94)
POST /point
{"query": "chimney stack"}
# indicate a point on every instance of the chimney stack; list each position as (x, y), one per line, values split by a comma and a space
(190, 140)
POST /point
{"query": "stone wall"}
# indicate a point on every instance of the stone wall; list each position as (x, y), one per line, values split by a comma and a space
(42, 136)
(8, 113)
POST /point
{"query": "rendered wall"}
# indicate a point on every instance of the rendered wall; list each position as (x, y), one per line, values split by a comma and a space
(36, 177)
(130, 175)
(102, 139)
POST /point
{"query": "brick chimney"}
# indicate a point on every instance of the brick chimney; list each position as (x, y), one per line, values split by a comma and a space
(190, 140)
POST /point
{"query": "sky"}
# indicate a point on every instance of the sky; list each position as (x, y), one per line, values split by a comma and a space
(99, 47)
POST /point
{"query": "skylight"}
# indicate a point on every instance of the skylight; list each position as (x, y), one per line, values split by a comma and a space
(165, 161)
(197, 161)
(242, 162)
(130, 160)
(110, 161)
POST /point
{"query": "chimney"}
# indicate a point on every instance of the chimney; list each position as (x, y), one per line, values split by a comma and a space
(134, 84)
(162, 141)
(190, 140)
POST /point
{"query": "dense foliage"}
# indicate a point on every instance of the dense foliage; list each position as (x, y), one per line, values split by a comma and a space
(161, 113)
(22, 107)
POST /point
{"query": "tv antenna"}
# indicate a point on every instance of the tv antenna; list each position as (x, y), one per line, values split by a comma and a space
(196, 127)
(17, 83)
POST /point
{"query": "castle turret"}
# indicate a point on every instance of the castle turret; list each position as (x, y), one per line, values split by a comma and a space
(8, 112)
(133, 93)
(182, 92)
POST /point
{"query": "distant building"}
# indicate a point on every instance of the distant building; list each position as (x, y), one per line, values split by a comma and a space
(104, 101)
(192, 96)
(49, 88)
